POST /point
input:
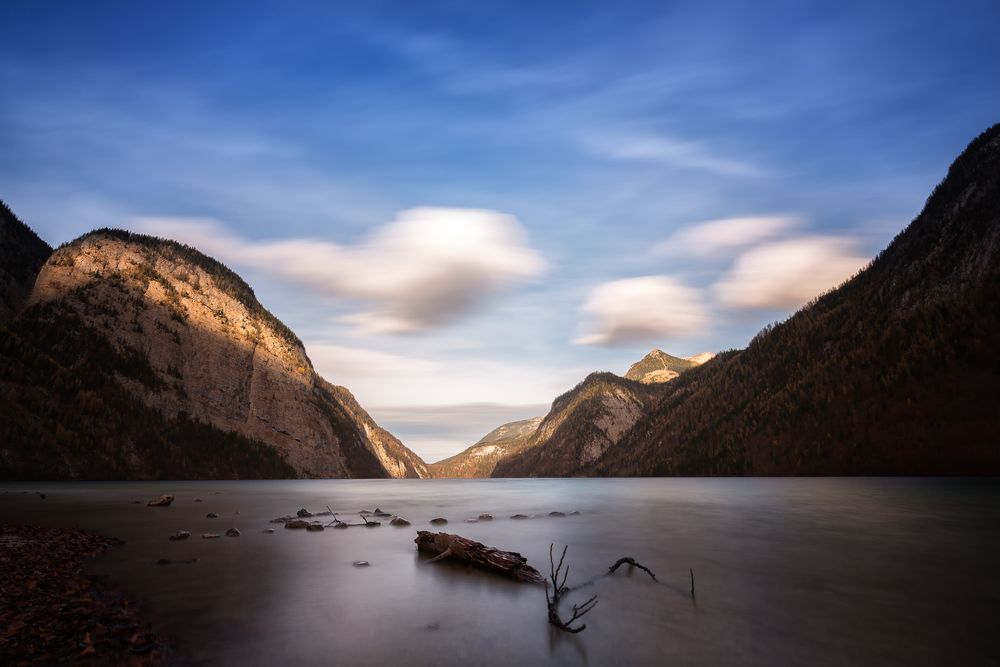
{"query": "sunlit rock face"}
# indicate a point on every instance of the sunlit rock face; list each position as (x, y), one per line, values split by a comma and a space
(217, 355)
(480, 459)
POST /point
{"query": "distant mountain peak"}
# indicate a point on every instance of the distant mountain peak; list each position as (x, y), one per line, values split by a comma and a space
(658, 366)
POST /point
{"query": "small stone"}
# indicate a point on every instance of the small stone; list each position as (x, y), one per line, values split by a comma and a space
(304, 513)
(210, 536)
(180, 535)
(314, 527)
(379, 512)
(269, 531)
(439, 521)
(574, 513)
(361, 563)
(211, 515)
(520, 516)
(557, 514)
(233, 532)
(161, 501)
(399, 521)
(296, 524)
(485, 517)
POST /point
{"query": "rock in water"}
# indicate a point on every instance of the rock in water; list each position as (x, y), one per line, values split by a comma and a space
(439, 521)
(379, 512)
(314, 527)
(269, 531)
(161, 501)
(209, 536)
(233, 532)
(296, 524)
(399, 521)
(485, 517)
(303, 513)
(211, 515)
(361, 563)
(180, 535)
(557, 514)
(520, 516)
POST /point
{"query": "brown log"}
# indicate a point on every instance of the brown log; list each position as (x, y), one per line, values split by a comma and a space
(507, 563)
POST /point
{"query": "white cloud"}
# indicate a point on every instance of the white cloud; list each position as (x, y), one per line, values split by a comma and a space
(676, 152)
(641, 309)
(715, 237)
(788, 273)
(424, 269)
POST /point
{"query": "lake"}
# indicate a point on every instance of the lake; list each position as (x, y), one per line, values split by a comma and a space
(787, 571)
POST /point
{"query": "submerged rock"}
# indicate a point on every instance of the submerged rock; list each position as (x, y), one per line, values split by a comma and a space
(361, 563)
(296, 524)
(314, 527)
(269, 531)
(161, 501)
(210, 536)
(282, 519)
(485, 517)
(557, 514)
(233, 532)
(379, 512)
(180, 535)
(398, 521)
(340, 524)
(574, 513)
(520, 516)
(211, 515)
(303, 513)
(365, 513)
(439, 521)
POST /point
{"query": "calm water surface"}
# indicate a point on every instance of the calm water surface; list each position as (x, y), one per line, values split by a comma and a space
(787, 571)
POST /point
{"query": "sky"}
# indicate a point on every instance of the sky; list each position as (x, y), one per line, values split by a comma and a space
(464, 208)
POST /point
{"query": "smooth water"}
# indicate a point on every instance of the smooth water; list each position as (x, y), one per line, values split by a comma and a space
(787, 571)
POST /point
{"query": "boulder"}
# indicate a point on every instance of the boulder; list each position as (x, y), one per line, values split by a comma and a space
(161, 501)
(180, 535)
(439, 521)
(399, 521)
(233, 532)
(303, 513)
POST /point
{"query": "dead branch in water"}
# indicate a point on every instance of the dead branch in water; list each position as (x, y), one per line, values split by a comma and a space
(633, 563)
(507, 563)
(558, 590)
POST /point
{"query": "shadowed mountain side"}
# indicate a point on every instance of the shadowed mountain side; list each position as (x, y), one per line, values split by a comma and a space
(186, 337)
(480, 459)
(22, 255)
(895, 372)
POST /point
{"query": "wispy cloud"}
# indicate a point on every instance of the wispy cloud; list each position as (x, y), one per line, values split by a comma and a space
(788, 273)
(673, 151)
(641, 309)
(424, 269)
(715, 237)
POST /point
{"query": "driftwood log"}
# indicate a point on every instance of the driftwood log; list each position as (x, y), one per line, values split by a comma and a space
(506, 563)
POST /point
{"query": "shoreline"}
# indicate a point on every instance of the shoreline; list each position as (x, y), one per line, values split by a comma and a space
(50, 613)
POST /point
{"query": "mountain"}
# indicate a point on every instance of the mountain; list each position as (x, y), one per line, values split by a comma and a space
(895, 372)
(136, 357)
(480, 459)
(22, 255)
(658, 366)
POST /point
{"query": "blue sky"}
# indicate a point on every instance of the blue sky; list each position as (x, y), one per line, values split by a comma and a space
(472, 205)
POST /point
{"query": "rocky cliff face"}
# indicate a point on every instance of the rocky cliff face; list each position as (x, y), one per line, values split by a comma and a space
(582, 424)
(480, 459)
(214, 354)
(658, 366)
